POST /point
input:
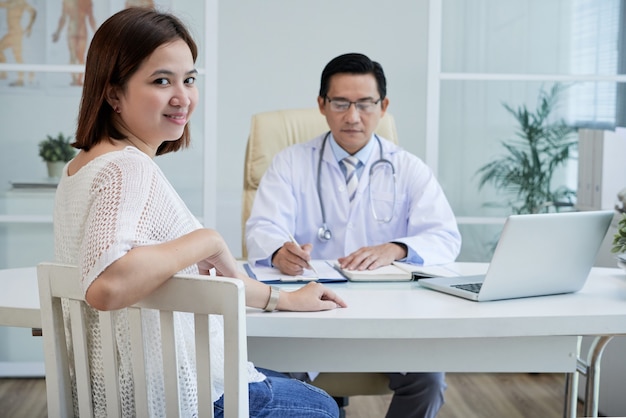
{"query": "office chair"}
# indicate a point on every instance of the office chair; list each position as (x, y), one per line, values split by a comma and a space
(270, 132)
(200, 295)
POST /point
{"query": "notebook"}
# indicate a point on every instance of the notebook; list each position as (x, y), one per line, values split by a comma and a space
(536, 255)
(396, 272)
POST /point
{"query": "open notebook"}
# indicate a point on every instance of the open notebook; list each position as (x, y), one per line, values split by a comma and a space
(396, 272)
(540, 254)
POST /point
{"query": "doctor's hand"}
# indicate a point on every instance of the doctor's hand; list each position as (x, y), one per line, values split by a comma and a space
(370, 258)
(292, 259)
(310, 298)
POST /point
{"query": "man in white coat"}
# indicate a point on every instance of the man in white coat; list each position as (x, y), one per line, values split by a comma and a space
(380, 205)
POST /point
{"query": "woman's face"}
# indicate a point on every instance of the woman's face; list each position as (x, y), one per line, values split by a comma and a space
(160, 97)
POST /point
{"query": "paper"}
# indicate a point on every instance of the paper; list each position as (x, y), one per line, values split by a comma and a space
(271, 274)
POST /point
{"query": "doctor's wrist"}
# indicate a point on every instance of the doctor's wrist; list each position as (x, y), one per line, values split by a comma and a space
(274, 255)
(403, 250)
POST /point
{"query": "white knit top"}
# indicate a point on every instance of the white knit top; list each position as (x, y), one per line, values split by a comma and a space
(116, 202)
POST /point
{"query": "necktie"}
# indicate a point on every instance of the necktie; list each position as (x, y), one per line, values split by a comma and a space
(352, 181)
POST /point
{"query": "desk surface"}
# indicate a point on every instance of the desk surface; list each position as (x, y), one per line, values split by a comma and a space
(407, 310)
(402, 326)
(401, 310)
(19, 298)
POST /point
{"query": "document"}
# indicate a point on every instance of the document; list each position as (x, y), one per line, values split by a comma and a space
(327, 273)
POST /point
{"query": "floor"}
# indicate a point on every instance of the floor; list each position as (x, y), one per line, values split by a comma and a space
(479, 395)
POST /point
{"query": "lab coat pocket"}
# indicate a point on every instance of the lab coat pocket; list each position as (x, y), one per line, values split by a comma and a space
(388, 207)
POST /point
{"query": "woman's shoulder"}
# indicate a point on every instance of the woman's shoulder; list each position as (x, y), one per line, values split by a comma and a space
(128, 159)
(114, 167)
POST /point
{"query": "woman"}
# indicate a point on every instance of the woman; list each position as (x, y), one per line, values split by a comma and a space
(122, 223)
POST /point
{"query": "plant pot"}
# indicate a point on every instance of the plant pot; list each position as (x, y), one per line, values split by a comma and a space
(55, 168)
(621, 261)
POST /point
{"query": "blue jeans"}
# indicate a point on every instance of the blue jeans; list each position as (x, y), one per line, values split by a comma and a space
(281, 396)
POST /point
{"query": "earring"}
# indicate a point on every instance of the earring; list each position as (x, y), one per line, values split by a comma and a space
(116, 109)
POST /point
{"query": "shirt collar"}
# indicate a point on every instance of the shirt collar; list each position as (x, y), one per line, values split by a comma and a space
(363, 154)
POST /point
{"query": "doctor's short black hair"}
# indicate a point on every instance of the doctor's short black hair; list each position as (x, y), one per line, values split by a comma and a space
(353, 63)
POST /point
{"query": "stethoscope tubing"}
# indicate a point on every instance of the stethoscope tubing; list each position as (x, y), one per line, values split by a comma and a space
(324, 233)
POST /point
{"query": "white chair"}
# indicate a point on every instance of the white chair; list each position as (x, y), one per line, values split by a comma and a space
(200, 295)
(270, 132)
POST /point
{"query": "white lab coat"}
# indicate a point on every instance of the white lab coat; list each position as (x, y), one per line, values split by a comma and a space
(287, 201)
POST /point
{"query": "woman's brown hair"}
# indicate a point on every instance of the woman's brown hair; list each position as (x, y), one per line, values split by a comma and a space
(117, 50)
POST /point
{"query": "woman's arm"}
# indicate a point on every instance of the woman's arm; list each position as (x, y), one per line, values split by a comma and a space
(143, 269)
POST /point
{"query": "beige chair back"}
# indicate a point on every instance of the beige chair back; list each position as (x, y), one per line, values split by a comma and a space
(272, 131)
(200, 295)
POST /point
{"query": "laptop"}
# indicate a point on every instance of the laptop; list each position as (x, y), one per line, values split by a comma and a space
(536, 255)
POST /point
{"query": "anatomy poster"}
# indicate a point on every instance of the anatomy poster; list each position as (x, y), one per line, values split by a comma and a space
(43, 43)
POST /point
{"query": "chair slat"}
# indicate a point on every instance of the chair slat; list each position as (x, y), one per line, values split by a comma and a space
(235, 359)
(110, 363)
(170, 369)
(203, 365)
(81, 360)
(138, 356)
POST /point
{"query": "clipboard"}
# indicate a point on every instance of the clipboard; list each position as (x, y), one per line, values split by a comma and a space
(271, 275)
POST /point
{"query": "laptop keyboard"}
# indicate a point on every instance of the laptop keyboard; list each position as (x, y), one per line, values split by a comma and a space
(470, 287)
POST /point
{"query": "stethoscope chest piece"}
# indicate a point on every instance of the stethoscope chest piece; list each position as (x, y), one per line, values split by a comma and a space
(324, 233)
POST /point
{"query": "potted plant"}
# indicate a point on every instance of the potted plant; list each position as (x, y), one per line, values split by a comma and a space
(56, 151)
(619, 239)
(526, 169)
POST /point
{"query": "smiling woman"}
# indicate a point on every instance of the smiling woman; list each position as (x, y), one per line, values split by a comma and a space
(122, 223)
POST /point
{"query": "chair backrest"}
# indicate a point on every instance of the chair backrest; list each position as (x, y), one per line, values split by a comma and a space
(200, 295)
(272, 131)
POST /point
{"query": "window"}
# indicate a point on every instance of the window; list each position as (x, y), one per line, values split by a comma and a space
(595, 50)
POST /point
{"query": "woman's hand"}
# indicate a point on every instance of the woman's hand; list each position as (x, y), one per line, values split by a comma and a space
(219, 258)
(309, 298)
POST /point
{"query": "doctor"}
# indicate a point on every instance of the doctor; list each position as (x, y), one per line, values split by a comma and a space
(383, 206)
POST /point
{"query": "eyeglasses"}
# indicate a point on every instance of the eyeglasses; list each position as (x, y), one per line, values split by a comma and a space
(363, 106)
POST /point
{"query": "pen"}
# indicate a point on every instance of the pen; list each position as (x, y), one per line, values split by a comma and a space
(309, 264)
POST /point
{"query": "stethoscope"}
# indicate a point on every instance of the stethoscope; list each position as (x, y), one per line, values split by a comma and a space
(324, 233)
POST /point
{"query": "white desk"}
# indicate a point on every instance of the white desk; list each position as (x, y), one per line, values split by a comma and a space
(422, 330)
(403, 327)
(19, 298)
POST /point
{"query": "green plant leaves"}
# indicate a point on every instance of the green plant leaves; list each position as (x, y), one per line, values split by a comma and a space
(619, 240)
(56, 148)
(539, 148)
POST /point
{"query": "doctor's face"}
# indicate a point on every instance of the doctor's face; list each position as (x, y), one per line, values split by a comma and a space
(353, 109)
